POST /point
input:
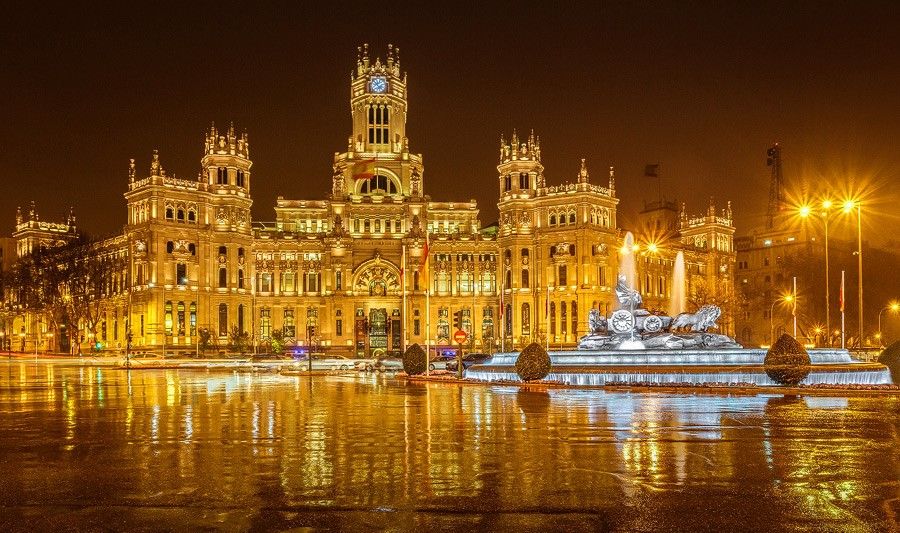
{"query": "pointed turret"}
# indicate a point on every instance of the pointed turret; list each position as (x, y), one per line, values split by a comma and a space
(583, 176)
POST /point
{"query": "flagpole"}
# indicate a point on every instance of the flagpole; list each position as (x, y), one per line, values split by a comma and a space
(403, 281)
(502, 322)
(547, 316)
(427, 304)
(842, 311)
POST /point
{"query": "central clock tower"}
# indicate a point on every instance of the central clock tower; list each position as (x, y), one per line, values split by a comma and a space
(378, 103)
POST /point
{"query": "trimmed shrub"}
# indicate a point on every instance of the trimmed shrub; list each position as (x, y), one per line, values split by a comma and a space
(414, 360)
(787, 362)
(890, 358)
(533, 363)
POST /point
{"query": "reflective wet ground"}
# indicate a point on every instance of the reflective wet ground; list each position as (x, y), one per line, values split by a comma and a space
(90, 448)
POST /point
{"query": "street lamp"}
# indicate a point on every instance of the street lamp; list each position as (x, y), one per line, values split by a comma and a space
(806, 211)
(849, 206)
(893, 307)
(787, 298)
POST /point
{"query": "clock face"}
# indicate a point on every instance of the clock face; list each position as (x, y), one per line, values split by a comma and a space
(378, 85)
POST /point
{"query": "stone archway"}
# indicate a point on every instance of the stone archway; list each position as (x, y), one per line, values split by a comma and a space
(377, 277)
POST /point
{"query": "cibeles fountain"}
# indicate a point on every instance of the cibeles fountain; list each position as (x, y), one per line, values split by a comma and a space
(635, 345)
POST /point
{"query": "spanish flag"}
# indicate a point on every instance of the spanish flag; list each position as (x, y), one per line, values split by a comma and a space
(363, 169)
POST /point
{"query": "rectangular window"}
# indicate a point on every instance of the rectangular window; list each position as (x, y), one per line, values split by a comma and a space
(561, 277)
(265, 323)
(288, 327)
(339, 327)
(181, 274)
(338, 280)
(142, 325)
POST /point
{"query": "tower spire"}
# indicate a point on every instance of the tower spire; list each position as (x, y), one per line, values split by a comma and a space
(583, 176)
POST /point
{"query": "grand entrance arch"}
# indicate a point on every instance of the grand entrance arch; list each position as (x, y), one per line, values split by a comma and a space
(378, 328)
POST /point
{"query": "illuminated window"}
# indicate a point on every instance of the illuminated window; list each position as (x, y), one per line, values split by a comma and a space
(222, 176)
(181, 274)
(265, 323)
(181, 318)
(193, 310)
(223, 320)
(288, 327)
(168, 318)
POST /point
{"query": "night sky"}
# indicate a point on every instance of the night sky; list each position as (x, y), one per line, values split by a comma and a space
(703, 90)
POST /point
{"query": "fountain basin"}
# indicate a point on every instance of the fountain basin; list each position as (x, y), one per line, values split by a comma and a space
(723, 366)
(718, 357)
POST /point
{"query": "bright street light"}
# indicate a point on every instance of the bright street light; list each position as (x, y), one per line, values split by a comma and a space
(787, 298)
(892, 307)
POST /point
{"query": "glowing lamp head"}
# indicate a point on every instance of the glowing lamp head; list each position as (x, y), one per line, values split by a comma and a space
(789, 298)
(827, 204)
(805, 211)
(849, 205)
(635, 247)
(652, 247)
(894, 307)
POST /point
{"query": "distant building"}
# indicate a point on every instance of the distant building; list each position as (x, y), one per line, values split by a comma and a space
(348, 273)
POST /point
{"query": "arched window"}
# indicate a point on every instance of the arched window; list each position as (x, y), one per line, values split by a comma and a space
(526, 319)
(170, 213)
(379, 184)
(552, 219)
(181, 215)
(192, 216)
(572, 217)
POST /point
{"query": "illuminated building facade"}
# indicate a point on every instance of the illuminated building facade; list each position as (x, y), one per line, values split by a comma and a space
(347, 271)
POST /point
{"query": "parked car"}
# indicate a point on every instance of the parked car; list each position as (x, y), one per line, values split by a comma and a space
(439, 363)
(468, 360)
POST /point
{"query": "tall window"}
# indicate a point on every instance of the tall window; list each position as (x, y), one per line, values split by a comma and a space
(181, 318)
(524, 278)
(240, 178)
(168, 318)
(223, 277)
(240, 318)
(288, 283)
(240, 278)
(338, 280)
(288, 327)
(265, 323)
(574, 317)
(562, 318)
(507, 183)
(379, 118)
(417, 323)
(508, 320)
(467, 320)
(311, 282)
(526, 319)
(561, 276)
(523, 180)
(378, 184)
(265, 282)
(338, 323)
(181, 274)
(222, 176)
(487, 323)
(443, 327)
(193, 310)
(552, 318)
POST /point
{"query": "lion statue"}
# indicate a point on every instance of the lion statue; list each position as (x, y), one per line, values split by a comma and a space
(702, 320)
(596, 322)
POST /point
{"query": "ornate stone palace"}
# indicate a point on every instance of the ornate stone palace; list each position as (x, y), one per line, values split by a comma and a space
(347, 272)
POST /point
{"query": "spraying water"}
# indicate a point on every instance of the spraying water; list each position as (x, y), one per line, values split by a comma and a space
(678, 301)
(626, 260)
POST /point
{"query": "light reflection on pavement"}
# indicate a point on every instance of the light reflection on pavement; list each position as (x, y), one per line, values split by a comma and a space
(93, 447)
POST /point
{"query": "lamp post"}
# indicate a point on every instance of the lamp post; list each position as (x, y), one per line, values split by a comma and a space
(849, 206)
(806, 211)
(786, 298)
(894, 307)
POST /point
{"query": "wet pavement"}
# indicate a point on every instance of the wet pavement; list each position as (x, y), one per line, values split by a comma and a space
(91, 448)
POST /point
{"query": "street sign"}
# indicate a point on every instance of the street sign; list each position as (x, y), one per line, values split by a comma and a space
(460, 336)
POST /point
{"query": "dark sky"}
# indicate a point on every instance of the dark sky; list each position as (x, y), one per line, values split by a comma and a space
(702, 87)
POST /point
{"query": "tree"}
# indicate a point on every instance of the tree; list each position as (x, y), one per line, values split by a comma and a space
(205, 339)
(533, 363)
(787, 362)
(277, 341)
(414, 360)
(240, 340)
